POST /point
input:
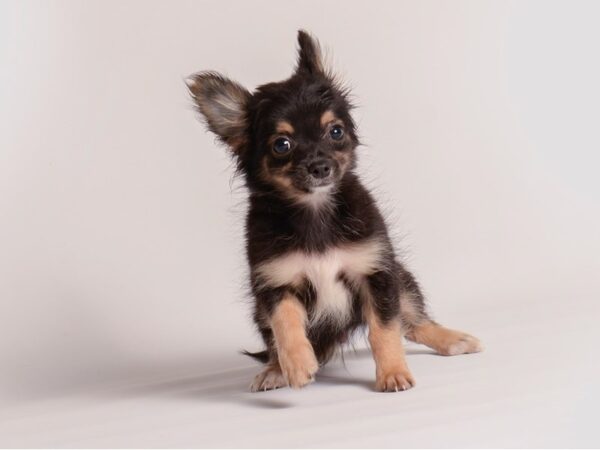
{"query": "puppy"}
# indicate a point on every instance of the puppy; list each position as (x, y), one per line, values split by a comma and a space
(321, 261)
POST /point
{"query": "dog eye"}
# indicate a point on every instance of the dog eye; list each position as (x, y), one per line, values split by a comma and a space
(336, 132)
(282, 145)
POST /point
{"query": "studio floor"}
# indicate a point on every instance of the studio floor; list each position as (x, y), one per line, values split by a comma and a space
(536, 385)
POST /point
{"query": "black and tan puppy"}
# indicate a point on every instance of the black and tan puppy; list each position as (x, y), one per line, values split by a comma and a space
(321, 261)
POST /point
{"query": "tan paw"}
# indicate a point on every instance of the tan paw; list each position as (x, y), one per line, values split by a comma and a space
(458, 343)
(394, 380)
(299, 365)
(270, 378)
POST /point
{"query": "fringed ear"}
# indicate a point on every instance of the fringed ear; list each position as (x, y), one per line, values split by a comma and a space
(222, 103)
(310, 60)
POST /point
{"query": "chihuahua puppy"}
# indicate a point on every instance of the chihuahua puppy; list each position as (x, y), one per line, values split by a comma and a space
(321, 261)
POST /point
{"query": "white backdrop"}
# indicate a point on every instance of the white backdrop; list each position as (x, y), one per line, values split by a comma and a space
(121, 253)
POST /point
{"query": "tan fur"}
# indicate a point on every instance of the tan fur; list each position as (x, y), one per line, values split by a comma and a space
(327, 117)
(284, 127)
(322, 270)
(282, 181)
(343, 159)
(443, 340)
(410, 314)
(277, 176)
(392, 373)
(296, 356)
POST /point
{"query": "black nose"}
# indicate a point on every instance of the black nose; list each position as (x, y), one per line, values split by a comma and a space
(320, 169)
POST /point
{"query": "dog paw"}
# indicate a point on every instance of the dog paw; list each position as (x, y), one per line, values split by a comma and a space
(270, 378)
(394, 380)
(458, 343)
(299, 365)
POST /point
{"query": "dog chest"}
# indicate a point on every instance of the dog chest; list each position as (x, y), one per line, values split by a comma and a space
(323, 271)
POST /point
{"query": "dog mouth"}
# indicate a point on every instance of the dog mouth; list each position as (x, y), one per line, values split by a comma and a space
(317, 183)
(309, 184)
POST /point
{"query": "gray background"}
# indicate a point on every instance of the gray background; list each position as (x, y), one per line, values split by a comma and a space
(122, 298)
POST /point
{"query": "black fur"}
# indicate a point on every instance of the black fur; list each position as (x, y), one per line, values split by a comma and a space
(278, 222)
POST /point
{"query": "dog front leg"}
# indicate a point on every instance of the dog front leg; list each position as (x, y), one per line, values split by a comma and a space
(295, 353)
(381, 311)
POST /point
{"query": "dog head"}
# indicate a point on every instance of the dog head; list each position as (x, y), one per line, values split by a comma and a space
(295, 137)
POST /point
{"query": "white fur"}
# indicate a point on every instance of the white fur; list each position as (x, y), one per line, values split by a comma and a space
(354, 261)
(317, 197)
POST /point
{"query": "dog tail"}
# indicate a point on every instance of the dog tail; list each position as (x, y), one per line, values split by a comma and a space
(262, 357)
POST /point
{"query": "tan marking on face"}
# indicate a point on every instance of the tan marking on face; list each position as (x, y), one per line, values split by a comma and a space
(280, 179)
(296, 356)
(284, 127)
(327, 117)
(443, 340)
(343, 160)
(392, 373)
(277, 176)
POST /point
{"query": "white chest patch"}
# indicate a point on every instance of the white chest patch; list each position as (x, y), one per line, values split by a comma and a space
(323, 270)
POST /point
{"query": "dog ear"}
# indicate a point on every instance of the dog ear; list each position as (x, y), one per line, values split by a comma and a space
(310, 60)
(222, 102)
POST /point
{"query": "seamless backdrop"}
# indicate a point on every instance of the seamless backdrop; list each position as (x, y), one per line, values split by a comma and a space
(122, 276)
